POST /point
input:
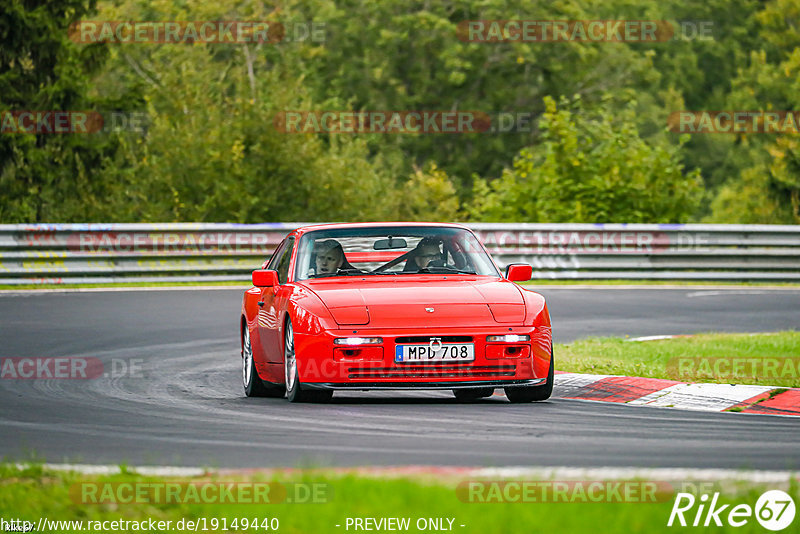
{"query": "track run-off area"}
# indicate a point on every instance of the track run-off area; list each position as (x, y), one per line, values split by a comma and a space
(173, 393)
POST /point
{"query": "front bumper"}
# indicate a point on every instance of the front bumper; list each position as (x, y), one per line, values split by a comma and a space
(426, 385)
(378, 369)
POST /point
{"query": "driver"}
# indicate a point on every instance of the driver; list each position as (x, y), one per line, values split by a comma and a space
(426, 253)
(330, 256)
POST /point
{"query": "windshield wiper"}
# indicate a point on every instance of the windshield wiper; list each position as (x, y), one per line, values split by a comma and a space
(437, 270)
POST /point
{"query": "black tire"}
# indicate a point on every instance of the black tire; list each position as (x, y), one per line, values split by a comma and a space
(472, 394)
(253, 385)
(534, 393)
(294, 389)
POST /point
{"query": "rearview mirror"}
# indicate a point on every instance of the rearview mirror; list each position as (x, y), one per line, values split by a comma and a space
(265, 278)
(389, 244)
(519, 272)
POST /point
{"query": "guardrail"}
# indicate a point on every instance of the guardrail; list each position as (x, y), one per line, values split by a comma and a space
(112, 253)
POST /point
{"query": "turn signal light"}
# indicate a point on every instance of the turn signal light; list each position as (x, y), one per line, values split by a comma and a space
(358, 341)
(508, 338)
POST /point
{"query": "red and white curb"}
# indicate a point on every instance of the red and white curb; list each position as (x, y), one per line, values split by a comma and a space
(662, 393)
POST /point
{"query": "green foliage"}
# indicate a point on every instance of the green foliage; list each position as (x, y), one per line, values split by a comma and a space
(48, 176)
(765, 186)
(210, 151)
(399, 55)
(590, 169)
(749, 200)
(429, 195)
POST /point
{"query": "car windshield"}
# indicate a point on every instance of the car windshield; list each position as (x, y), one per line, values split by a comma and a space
(391, 251)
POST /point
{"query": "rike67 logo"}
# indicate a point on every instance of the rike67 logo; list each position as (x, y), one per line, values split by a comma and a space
(774, 510)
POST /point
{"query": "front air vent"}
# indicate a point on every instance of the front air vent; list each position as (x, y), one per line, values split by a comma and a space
(432, 371)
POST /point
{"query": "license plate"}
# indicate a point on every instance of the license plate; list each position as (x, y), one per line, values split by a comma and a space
(450, 352)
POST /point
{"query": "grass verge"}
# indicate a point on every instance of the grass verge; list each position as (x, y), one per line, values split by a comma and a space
(34, 493)
(763, 359)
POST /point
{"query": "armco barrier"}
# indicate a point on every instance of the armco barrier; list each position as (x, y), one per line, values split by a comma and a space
(110, 253)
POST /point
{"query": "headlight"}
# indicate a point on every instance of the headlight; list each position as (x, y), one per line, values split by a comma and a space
(508, 338)
(358, 341)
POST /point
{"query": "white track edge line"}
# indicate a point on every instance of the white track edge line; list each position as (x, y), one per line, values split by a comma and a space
(585, 473)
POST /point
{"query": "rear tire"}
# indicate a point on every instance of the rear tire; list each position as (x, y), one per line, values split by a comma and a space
(534, 393)
(472, 394)
(253, 385)
(294, 391)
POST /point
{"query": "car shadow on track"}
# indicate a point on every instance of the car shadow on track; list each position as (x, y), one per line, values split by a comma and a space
(385, 398)
(412, 400)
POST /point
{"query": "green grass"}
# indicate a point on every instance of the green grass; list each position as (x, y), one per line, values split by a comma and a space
(698, 354)
(33, 493)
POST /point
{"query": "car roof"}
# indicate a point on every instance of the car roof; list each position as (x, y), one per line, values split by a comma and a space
(344, 226)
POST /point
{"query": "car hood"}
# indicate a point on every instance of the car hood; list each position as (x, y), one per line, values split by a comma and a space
(421, 301)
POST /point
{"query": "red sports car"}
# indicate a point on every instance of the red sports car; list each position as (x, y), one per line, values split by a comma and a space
(392, 306)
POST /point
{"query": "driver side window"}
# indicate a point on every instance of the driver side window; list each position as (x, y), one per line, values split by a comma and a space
(280, 261)
(283, 264)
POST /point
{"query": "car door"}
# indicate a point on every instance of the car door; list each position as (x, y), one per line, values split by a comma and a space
(274, 301)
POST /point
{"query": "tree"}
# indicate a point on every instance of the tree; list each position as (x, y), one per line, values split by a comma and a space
(590, 168)
(47, 176)
(767, 188)
(429, 195)
(400, 55)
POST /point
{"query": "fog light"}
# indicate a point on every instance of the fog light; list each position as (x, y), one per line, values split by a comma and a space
(508, 338)
(358, 341)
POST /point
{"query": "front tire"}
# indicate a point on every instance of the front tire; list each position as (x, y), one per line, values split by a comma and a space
(253, 385)
(294, 391)
(534, 393)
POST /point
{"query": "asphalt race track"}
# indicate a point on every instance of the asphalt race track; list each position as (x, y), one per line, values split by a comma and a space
(186, 405)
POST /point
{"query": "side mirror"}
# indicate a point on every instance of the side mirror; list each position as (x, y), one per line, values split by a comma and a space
(519, 272)
(265, 278)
